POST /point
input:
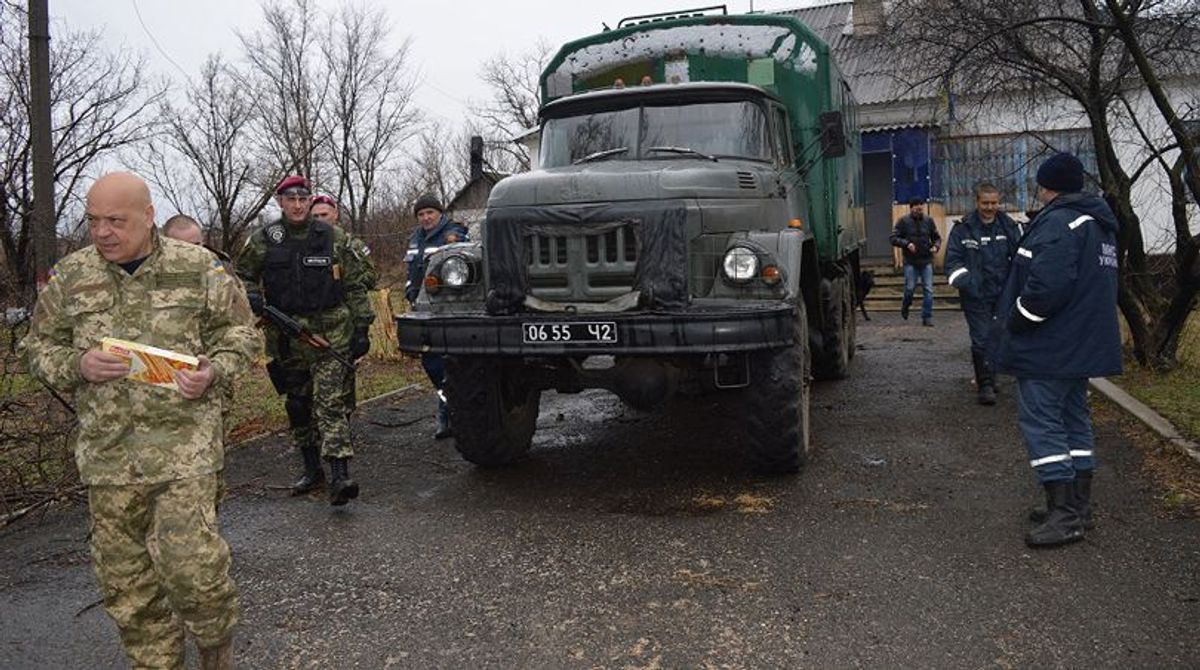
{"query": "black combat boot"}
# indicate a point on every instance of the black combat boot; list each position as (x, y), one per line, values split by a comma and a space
(985, 382)
(314, 475)
(443, 422)
(1062, 524)
(1083, 499)
(342, 489)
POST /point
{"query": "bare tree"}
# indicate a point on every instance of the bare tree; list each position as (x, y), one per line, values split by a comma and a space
(204, 159)
(369, 113)
(100, 103)
(1097, 58)
(441, 165)
(513, 107)
(287, 83)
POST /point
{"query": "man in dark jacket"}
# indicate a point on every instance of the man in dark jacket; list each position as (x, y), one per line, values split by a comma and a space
(978, 254)
(917, 235)
(434, 230)
(1056, 327)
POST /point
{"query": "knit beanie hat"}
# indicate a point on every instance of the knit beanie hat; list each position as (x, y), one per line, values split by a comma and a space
(427, 201)
(1061, 172)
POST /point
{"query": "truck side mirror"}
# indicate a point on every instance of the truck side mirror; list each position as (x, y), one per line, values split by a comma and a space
(833, 134)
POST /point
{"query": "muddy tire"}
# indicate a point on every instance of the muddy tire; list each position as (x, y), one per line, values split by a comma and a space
(492, 414)
(777, 403)
(838, 336)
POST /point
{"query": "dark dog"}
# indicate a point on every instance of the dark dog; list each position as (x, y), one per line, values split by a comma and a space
(866, 282)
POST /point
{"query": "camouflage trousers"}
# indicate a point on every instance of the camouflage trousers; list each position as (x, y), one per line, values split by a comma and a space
(320, 399)
(163, 567)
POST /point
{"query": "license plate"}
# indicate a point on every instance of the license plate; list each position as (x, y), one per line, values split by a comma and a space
(585, 332)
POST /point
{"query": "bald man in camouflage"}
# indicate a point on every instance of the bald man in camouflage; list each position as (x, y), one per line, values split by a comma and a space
(150, 456)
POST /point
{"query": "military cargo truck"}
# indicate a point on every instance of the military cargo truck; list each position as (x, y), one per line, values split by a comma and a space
(694, 226)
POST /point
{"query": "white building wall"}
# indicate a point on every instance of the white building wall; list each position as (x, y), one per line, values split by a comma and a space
(1151, 192)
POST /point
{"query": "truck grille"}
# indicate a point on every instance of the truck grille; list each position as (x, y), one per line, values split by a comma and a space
(584, 267)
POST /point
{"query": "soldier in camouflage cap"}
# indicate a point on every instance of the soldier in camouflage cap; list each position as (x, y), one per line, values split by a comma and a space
(310, 271)
(151, 456)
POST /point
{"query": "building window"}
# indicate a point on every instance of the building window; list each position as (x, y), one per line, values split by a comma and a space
(1008, 161)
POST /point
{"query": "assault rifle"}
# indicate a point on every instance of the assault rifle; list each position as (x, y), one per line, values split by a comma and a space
(294, 330)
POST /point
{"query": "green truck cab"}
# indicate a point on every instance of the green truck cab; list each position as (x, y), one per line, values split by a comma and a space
(693, 226)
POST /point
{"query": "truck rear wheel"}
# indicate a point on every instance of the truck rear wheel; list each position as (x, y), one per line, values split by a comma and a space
(777, 404)
(838, 334)
(493, 415)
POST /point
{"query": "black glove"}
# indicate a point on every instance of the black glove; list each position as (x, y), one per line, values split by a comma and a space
(360, 343)
(256, 303)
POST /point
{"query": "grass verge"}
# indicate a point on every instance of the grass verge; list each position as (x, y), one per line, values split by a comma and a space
(258, 409)
(1175, 394)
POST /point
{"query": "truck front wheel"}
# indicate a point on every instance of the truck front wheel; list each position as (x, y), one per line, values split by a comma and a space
(777, 404)
(493, 415)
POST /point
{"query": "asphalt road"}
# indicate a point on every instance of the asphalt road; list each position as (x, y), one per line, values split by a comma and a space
(634, 540)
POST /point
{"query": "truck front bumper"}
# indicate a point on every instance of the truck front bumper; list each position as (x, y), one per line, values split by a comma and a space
(736, 326)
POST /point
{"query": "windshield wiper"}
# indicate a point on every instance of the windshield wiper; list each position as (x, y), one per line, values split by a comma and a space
(600, 154)
(684, 150)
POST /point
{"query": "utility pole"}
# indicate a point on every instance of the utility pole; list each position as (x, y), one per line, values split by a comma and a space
(45, 236)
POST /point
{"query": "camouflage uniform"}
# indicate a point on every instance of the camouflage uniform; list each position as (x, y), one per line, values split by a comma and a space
(370, 280)
(315, 383)
(151, 458)
(227, 398)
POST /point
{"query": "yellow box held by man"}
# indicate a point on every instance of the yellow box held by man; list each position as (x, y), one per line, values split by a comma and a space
(148, 364)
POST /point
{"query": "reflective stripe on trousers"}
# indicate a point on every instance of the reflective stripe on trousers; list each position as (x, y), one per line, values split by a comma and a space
(1057, 426)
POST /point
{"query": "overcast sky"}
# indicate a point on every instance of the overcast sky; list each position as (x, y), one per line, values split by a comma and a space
(450, 38)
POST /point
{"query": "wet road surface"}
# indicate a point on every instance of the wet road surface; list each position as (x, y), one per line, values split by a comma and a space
(633, 540)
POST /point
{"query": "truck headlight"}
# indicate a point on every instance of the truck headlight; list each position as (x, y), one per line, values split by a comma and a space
(740, 264)
(455, 272)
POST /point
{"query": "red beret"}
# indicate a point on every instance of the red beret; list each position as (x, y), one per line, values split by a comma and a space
(293, 181)
(322, 199)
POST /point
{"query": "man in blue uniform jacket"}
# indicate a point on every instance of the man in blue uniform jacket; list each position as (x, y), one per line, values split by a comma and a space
(977, 258)
(1056, 327)
(434, 230)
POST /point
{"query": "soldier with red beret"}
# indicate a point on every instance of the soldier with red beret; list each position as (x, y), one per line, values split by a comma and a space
(310, 270)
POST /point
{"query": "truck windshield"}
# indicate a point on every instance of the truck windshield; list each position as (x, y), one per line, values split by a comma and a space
(719, 129)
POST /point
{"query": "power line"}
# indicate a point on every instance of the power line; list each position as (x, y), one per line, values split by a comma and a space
(154, 41)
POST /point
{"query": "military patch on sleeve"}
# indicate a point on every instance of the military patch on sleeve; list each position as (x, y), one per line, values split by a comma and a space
(275, 234)
(217, 266)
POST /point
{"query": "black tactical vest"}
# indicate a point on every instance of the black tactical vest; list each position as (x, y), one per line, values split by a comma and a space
(298, 273)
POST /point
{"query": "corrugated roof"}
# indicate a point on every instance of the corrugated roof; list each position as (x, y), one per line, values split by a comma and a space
(869, 63)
